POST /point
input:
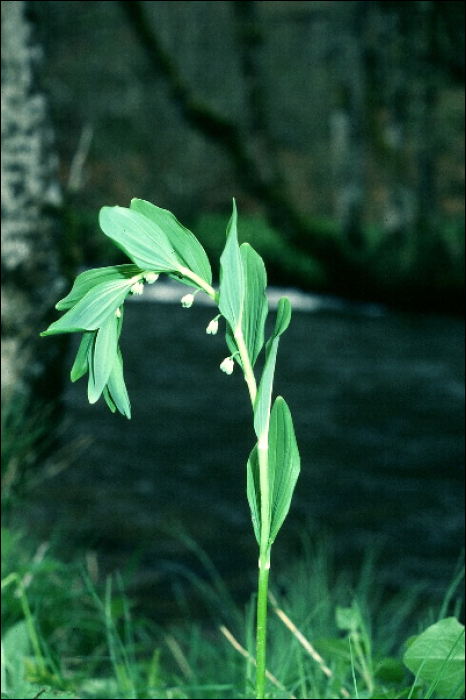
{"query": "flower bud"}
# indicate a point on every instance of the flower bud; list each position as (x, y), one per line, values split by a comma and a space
(187, 301)
(118, 313)
(137, 288)
(212, 328)
(227, 365)
(151, 277)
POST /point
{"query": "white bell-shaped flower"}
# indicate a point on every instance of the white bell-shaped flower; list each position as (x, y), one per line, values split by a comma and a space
(187, 301)
(137, 288)
(212, 328)
(227, 365)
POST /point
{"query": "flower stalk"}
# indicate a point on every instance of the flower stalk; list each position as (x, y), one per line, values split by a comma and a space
(156, 243)
(264, 553)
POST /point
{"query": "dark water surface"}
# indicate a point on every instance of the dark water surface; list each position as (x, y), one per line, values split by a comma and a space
(378, 405)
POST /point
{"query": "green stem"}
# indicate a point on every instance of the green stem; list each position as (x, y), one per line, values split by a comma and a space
(208, 289)
(261, 632)
(264, 558)
(247, 367)
(264, 568)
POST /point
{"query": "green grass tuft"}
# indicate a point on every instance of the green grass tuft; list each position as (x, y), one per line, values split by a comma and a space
(68, 634)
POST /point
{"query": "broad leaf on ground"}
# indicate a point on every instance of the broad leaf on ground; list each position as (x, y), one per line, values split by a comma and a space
(437, 657)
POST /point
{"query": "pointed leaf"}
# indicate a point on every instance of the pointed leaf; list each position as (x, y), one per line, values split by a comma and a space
(437, 657)
(138, 237)
(93, 309)
(253, 492)
(108, 399)
(255, 302)
(120, 320)
(117, 388)
(185, 243)
(81, 365)
(283, 316)
(91, 389)
(282, 321)
(284, 464)
(254, 312)
(89, 279)
(231, 292)
(104, 354)
(264, 393)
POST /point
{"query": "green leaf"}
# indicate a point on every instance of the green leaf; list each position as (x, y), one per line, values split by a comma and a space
(138, 237)
(81, 364)
(89, 279)
(390, 670)
(93, 309)
(282, 321)
(45, 692)
(108, 399)
(284, 464)
(254, 312)
(16, 645)
(348, 619)
(283, 471)
(264, 393)
(253, 492)
(105, 351)
(382, 692)
(91, 388)
(117, 388)
(120, 320)
(231, 292)
(255, 301)
(437, 657)
(184, 243)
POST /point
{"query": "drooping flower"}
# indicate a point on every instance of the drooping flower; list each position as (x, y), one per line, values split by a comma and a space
(137, 288)
(227, 365)
(187, 301)
(212, 328)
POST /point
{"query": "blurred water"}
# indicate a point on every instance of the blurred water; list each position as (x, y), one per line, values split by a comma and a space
(378, 404)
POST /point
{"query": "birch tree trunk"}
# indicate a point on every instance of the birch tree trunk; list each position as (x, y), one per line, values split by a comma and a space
(31, 202)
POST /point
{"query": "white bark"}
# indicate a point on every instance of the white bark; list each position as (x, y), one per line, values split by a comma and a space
(31, 200)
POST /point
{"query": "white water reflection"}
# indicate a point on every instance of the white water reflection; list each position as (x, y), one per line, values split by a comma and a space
(170, 292)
